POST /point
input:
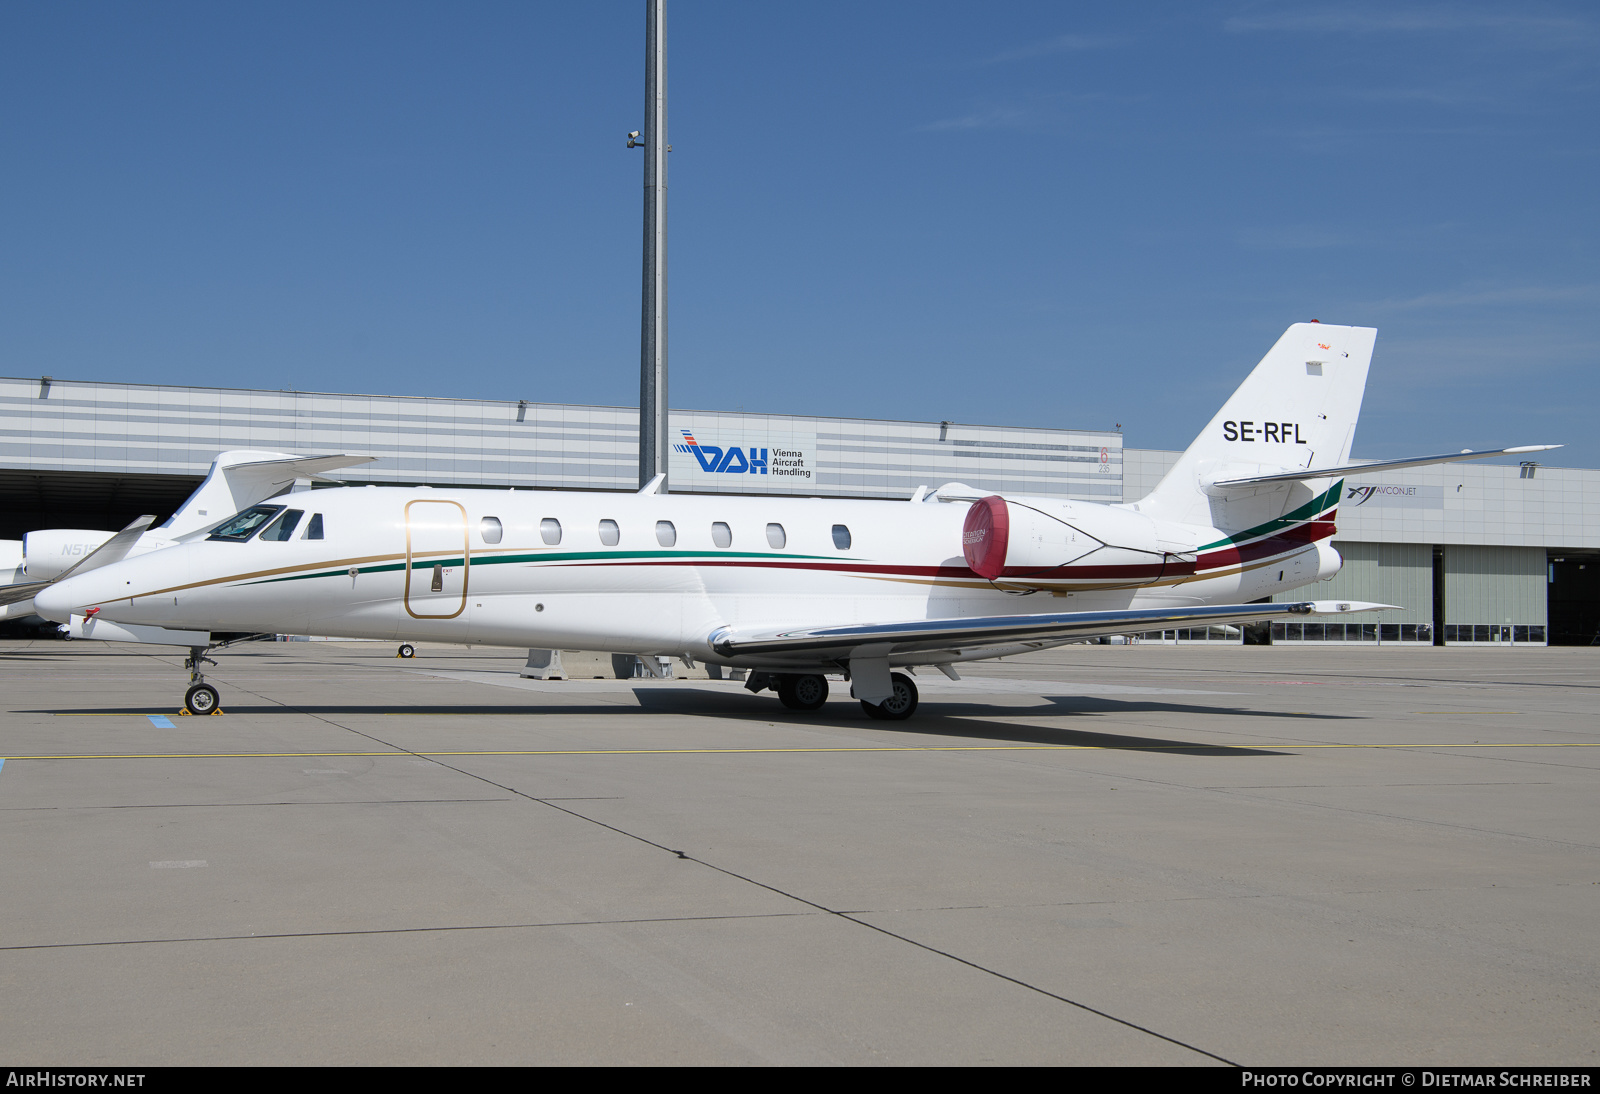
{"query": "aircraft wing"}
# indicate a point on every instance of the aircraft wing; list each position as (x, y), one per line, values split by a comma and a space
(1352, 469)
(22, 590)
(114, 549)
(965, 638)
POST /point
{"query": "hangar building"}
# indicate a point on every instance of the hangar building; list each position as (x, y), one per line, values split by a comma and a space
(1476, 552)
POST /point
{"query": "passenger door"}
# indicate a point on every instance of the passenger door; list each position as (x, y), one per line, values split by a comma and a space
(437, 559)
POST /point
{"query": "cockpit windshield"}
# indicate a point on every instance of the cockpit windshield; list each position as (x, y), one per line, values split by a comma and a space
(282, 528)
(241, 526)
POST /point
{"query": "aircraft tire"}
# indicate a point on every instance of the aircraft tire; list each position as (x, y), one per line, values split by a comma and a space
(200, 699)
(899, 706)
(407, 650)
(806, 691)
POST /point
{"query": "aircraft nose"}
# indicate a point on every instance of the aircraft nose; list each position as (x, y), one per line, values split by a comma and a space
(60, 600)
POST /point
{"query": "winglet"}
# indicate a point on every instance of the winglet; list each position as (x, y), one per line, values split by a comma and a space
(654, 485)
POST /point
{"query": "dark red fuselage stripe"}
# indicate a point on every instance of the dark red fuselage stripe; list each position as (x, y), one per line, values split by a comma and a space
(1288, 540)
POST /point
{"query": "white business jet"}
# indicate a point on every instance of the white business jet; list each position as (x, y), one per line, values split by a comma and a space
(237, 479)
(792, 589)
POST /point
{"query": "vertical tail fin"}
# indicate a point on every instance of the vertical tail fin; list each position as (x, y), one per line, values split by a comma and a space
(239, 479)
(1296, 410)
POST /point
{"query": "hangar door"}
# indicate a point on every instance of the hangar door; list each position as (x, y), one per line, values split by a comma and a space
(1573, 578)
(437, 559)
(1494, 593)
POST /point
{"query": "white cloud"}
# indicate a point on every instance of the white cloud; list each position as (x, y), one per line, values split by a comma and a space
(1465, 298)
(1530, 27)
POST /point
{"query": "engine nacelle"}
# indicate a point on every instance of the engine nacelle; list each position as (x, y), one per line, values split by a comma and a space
(1329, 561)
(1013, 542)
(48, 554)
(999, 535)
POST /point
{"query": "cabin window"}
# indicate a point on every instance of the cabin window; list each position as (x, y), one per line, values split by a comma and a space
(491, 529)
(282, 528)
(550, 531)
(775, 537)
(610, 534)
(721, 535)
(666, 534)
(241, 526)
(841, 537)
(314, 527)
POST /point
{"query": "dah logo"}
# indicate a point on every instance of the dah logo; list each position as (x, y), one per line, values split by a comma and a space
(731, 462)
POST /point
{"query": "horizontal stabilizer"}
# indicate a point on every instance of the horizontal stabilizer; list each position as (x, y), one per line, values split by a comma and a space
(1382, 465)
(956, 639)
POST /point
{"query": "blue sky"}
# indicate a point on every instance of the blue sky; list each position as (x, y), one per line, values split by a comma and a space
(1031, 214)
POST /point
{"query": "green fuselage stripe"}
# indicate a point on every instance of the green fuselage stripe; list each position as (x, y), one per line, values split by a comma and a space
(553, 556)
(1312, 509)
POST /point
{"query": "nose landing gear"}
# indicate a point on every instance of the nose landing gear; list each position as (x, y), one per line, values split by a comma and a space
(201, 698)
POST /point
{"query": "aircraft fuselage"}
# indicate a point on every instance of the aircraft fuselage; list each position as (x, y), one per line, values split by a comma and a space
(653, 573)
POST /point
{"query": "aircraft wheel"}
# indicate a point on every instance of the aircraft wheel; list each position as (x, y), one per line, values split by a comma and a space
(200, 699)
(803, 692)
(785, 690)
(899, 706)
(407, 650)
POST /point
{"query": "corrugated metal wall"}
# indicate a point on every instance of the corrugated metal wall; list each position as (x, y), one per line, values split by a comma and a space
(1384, 573)
(1487, 589)
(1495, 586)
(122, 429)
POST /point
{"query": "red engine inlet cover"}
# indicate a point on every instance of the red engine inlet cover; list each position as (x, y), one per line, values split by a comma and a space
(985, 535)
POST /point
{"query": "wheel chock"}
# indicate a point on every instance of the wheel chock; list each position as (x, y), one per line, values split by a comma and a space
(216, 712)
(184, 712)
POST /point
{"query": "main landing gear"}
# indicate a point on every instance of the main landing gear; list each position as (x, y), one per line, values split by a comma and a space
(899, 706)
(809, 691)
(201, 698)
(407, 650)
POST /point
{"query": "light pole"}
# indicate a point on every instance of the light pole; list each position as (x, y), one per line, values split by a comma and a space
(653, 438)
